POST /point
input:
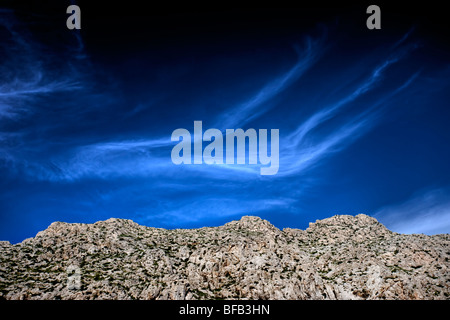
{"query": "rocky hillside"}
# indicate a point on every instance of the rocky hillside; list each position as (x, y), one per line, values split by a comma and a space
(342, 257)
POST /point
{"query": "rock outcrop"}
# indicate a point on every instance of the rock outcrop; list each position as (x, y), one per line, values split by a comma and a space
(342, 257)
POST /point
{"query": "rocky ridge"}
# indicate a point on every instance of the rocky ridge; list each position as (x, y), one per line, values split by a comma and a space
(342, 257)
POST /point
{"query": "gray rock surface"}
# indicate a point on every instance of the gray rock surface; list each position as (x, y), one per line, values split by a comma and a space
(342, 257)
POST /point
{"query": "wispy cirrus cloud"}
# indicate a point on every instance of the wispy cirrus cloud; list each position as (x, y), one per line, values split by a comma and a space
(299, 150)
(257, 105)
(300, 154)
(28, 70)
(212, 207)
(425, 212)
(363, 87)
(39, 81)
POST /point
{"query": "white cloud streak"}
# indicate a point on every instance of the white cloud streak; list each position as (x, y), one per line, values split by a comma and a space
(427, 213)
(148, 157)
(221, 207)
(26, 69)
(254, 107)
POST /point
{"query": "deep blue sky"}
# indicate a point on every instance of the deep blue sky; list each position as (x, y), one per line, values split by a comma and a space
(86, 116)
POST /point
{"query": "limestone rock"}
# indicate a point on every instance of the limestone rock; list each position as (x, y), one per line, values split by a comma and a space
(342, 257)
